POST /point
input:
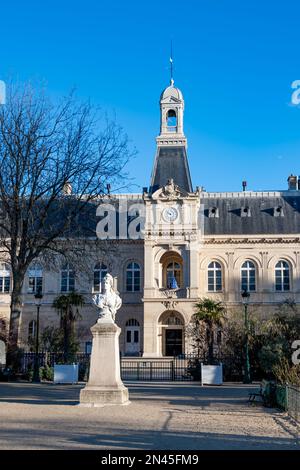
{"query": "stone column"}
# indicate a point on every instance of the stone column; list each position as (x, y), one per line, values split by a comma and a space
(105, 386)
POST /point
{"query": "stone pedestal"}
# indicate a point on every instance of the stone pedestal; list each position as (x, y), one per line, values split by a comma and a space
(105, 386)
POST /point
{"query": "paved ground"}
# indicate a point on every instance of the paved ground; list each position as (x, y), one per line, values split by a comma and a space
(160, 416)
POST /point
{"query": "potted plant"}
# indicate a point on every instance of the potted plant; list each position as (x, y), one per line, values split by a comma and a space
(67, 306)
(211, 314)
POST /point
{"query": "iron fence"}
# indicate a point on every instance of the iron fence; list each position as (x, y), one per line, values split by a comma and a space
(293, 401)
(185, 367)
(180, 368)
(49, 359)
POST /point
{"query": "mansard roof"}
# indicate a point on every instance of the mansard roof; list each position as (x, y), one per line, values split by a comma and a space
(251, 213)
(171, 162)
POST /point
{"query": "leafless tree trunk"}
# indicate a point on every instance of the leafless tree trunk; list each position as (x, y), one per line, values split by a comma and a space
(56, 161)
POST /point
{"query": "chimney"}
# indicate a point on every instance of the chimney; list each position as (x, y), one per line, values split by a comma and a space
(67, 188)
(293, 183)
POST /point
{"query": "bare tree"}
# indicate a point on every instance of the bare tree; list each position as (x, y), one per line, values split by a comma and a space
(56, 162)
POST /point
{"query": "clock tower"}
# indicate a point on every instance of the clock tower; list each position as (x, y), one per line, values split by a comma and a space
(171, 236)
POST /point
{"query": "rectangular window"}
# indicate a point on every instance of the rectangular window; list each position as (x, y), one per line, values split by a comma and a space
(5, 284)
(35, 284)
(136, 336)
(214, 281)
(128, 337)
(67, 281)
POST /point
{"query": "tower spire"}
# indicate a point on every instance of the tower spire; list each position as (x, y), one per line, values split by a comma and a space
(171, 65)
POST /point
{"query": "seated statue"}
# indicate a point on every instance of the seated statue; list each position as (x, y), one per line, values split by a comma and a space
(108, 302)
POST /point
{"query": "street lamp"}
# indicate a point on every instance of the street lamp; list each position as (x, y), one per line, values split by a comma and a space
(36, 371)
(245, 299)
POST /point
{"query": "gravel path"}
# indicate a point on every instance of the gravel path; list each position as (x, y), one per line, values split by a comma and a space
(160, 416)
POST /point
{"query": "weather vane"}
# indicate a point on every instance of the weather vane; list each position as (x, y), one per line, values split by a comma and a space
(171, 65)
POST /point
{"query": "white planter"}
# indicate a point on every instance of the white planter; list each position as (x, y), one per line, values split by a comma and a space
(65, 374)
(211, 375)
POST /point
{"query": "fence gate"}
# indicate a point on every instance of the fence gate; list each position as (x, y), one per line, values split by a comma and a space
(170, 369)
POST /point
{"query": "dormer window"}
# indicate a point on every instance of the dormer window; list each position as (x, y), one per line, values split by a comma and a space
(171, 121)
(278, 211)
(213, 212)
(245, 212)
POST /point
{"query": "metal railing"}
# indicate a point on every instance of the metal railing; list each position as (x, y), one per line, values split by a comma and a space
(293, 401)
(184, 367)
(180, 368)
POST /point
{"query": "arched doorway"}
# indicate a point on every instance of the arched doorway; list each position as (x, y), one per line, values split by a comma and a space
(171, 326)
(132, 338)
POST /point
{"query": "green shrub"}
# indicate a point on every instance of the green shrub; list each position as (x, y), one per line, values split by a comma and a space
(285, 373)
(47, 373)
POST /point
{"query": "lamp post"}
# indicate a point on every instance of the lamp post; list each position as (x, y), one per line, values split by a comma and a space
(36, 371)
(245, 299)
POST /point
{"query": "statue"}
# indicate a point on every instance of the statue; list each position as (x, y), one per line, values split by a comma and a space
(108, 302)
(170, 190)
(105, 386)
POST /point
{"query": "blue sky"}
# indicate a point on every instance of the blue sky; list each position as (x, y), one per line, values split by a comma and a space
(234, 62)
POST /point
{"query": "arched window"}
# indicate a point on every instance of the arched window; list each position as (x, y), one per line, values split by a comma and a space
(133, 277)
(171, 120)
(35, 279)
(248, 276)
(282, 276)
(172, 270)
(31, 330)
(174, 320)
(132, 322)
(173, 273)
(214, 277)
(5, 277)
(100, 270)
(67, 279)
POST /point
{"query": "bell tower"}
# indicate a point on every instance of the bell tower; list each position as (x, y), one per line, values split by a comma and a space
(171, 144)
(171, 113)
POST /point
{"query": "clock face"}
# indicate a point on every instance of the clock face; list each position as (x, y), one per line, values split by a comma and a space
(170, 214)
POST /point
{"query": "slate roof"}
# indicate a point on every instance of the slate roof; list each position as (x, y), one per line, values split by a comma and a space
(171, 162)
(265, 214)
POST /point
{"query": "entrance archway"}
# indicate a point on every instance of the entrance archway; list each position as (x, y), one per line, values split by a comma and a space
(171, 333)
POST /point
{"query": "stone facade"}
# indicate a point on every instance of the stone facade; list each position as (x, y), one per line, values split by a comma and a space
(193, 244)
